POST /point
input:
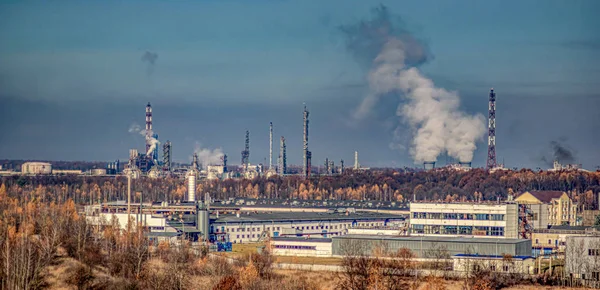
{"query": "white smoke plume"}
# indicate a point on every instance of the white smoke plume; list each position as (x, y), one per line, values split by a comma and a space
(152, 141)
(432, 113)
(207, 156)
(137, 129)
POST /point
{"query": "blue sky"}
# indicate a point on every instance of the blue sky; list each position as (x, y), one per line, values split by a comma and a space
(72, 79)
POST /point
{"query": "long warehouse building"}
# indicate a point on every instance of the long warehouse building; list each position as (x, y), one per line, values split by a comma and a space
(424, 247)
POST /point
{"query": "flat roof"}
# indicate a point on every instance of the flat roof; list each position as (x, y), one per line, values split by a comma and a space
(302, 216)
(489, 256)
(162, 234)
(299, 239)
(435, 239)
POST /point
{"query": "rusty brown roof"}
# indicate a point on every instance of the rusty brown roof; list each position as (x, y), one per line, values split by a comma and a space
(546, 196)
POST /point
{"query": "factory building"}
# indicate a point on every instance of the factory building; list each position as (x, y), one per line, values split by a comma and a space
(465, 219)
(426, 246)
(36, 168)
(252, 227)
(197, 219)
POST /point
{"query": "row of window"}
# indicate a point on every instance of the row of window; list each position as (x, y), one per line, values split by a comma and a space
(243, 229)
(457, 230)
(327, 227)
(458, 216)
(556, 242)
(593, 252)
(295, 247)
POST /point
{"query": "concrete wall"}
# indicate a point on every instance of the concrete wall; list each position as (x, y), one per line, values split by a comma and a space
(582, 257)
(295, 248)
(465, 264)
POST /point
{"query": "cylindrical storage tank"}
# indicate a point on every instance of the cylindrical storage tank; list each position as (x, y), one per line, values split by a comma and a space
(191, 180)
(203, 220)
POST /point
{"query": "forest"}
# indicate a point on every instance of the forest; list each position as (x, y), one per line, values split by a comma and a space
(386, 185)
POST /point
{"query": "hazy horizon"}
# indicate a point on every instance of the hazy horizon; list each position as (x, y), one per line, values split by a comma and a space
(73, 78)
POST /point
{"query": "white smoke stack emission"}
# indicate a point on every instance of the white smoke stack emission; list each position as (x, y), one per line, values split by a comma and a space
(433, 114)
(208, 156)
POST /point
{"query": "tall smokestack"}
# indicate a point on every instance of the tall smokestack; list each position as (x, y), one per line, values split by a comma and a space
(282, 156)
(246, 152)
(356, 165)
(270, 145)
(148, 126)
(306, 153)
(167, 156)
(342, 166)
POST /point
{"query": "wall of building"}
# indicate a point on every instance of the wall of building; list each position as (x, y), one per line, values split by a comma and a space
(540, 216)
(303, 248)
(424, 247)
(153, 223)
(582, 257)
(36, 168)
(495, 264)
(385, 231)
(464, 219)
(562, 211)
(251, 231)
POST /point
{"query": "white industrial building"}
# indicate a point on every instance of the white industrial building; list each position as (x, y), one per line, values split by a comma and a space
(501, 263)
(250, 227)
(464, 219)
(303, 247)
(36, 168)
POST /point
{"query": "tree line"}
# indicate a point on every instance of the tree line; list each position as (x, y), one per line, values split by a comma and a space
(385, 185)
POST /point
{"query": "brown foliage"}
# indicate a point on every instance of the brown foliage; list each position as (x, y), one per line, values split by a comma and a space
(228, 283)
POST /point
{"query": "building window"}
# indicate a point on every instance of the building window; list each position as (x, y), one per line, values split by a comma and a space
(497, 217)
(497, 231)
(418, 229)
(505, 268)
(549, 242)
(595, 276)
(243, 236)
(482, 216)
(238, 236)
(594, 252)
(493, 268)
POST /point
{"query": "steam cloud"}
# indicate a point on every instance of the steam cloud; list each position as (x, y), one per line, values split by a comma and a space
(207, 156)
(136, 129)
(433, 113)
(150, 58)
